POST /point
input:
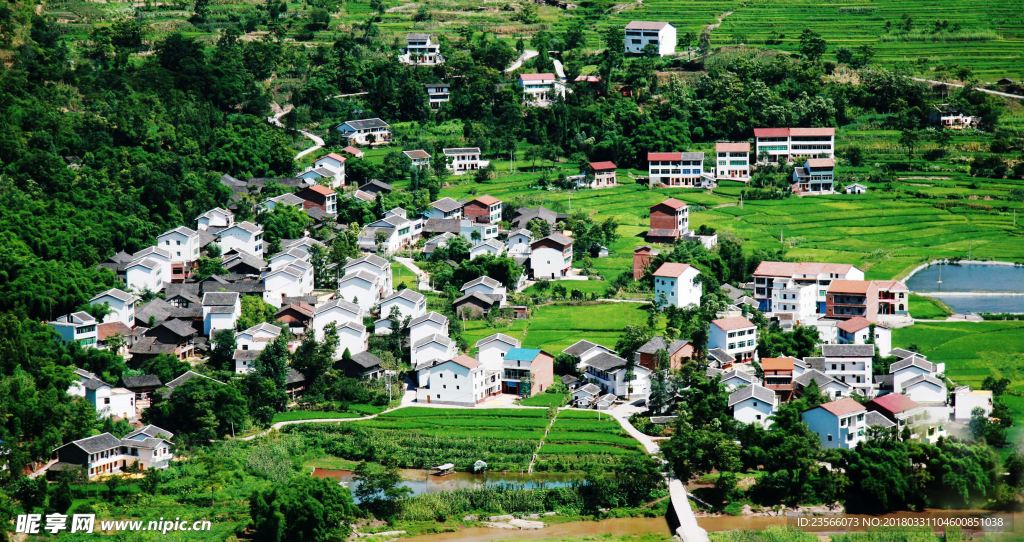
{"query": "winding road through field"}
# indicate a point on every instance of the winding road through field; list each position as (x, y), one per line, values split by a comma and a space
(318, 143)
(979, 89)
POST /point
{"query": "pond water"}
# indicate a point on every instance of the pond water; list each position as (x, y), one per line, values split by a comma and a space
(972, 288)
(423, 481)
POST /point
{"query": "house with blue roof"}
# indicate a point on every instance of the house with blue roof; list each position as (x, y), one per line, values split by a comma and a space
(527, 371)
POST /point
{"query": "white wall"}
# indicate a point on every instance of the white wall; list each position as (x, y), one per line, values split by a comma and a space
(753, 410)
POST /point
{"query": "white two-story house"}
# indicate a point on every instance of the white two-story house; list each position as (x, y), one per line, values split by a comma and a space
(366, 131)
(438, 94)
(121, 303)
(753, 404)
(463, 159)
(551, 257)
(433, 348)
(733, 160)
(491, 350)
(431, 323)
(421, 51)
(540, 89)
(677, 170)
(640, 34)
(243, 236)
(851, 364)
(220, 311)
(487, 285)
(183, 245)
(294, 279)
(609, 372)
(736, 335)
(458, 381)
(675, 285)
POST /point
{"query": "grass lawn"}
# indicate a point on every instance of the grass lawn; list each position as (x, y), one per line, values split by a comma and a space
(401, 274)
(972, 351)
(928, 308)
(311, 415)
(546, 400)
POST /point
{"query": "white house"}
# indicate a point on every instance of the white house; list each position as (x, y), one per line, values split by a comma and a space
(431, 349)
(419, 159)
(609, 372)
(438, 94)
(288, 256)
(518, 242)
(966, 400)
(733, 160)
(491, 350)
(337, 312)
(220, 311)
(366, 131)
(421, 51)
(795, 298)
(551, 257)
(856, 331)
(733, 379)
(815, 177)
(855, 188)
(294, 279)
(819, 275)
(926, 421)
(677, 170)
(330, 167)
(352, 336)
(161, 257)
(445, 208)
(924, 389)
(183, 245)
(676, 284)
(361, 288)
(586, 396)
(79, 327)
(851, 364)
(243, 236)
(785, 144)
(753, 404)
(486, 285)
(459, 381)
(492, 247)
(398, 232)
(828, 386)
(105, 454)
(736, 335)
(284, 199)
(911, 367)
(640, 34)
(215, 218)
(463, 159)
(431, 323)
(483, 231)
(410, 303)
(108, 401)
(250, 342)
(121, 303)
(541, 88)
(376, 266)
(585, 350)
(839, 424)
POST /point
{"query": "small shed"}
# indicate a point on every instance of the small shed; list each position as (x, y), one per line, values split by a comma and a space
(444, 470)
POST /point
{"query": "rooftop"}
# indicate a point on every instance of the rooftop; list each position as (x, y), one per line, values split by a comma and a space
(894, 403)
(672, 270)
(843, 406)
(732, 323)
(522, 354)
(646, 25)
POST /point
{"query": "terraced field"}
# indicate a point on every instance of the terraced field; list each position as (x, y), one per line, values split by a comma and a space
(578, 437)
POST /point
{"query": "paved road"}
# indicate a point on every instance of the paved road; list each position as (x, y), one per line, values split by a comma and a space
(996, 92)
(527, 55)
(424, 278)
(559, 71)
(318, 143)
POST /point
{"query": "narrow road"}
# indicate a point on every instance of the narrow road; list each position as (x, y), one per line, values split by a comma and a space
(996, 92)
(559, 70)
(318, 143)
(719, 23)
(527, 55)
(424, 278)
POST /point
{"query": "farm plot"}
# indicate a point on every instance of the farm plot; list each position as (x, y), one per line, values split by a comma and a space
(578, 438)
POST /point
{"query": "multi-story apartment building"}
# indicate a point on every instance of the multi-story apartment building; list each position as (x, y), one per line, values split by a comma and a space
(785, 144)
(733, 160)
(677, 169)
(640, 34)
(420, 50)
(815, 177)
(438, 94)
(820, 275)
(876, 300)
(796, 298)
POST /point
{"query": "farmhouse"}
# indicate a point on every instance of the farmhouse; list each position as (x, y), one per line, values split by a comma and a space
(77, 327)
(910, 366)
(839, 424)
(409, 303)
(437, 242)
(551, 257)
(363, 365)
(337, 312)
(733, 161)
(420, 51)
(361, 288)
(183, 245)
(294, 279)
(445, 208)
(121, 304)
(609, 372)
(486, 285)
(418, 159)
(675, 285)
(242, 236)
(828, 386)
(458, 381)
(431, 323)
(527, 371)
(778, 376)
(215, 218)
(220, 311)
(463, 159)
(596, 175)
(677, 170)
(753, 404)
(735, 335)
(438, 94)
(678, 351)
(375, 265)
(966, 400)
(733, 379)
(856, 330)
(483, 210)
(518, 242)
(331, 166)
(796, 275)
(352, 336)
(585, 350)
(850, 364)
(431, 349)
(475, 304)
(491, 350)
(160, 257)
(366, 131)
(105, 454)
(641, 34)
(875, 300)
(390, 234)
(786, 144)
(815, 177)
(926, 421)
(541, 88)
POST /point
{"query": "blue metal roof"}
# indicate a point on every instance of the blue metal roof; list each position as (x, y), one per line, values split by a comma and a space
(522, 354)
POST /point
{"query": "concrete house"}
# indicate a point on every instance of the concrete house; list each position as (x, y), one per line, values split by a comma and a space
(518, 242)
(105, 454)
(110, 401)
(786, 144)
(778, 376)
(733, 160)
(966, 400)
(597, 175)
(540, 89)
(331, 168)
(364, 365)
(410, 304)
(458, 381)
(839, 424)
(911, 367)
(675, 285)
(670, 220)
(145, 275)
(288, 256)
(851, 364)
(527, 371)
(491, 247)
(609, 372)
(491, 350)
(926, 421)
(753, 404)
(815, 177)
(250, 343)
(320, 197)
(121, 303)
(366, 132)
(794, 275)
(856, 330)
(828, 386)
(487, 285)
(183, 245)
(924, 389)
(445, 208)
(475, 304)
(483, 231)
(420, 51)
(736, 335)
(243, 236)
(678, 352)
(876, 300)
(436, 242)
(398, 233)
(585, 350)
(733, 379)
(640, 34)
(419, 159)
(294, 279)
(220, 311)
(215, 218)
(431, 323)
(795, 300)
(375, 265)
(438, 94)
(352, 336)
(551, 257)
(159, 255)
(462, 160)
(431, 349)
(337, 312)
(677, 169)
(361, 288)
(79, 327)
(483, 210)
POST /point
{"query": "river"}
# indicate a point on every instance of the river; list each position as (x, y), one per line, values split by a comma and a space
(972, 287)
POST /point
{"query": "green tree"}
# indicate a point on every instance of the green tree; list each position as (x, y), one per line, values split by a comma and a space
(908, 140)
(223, 353)
(380, 488)
(305, 510)
(314, 360)
(812, 45)
(255, 311)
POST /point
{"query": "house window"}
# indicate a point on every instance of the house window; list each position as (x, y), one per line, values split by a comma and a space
(830, 438)
(106, 400)
(759, 417)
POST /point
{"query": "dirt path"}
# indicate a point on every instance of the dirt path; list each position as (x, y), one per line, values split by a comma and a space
(719, 23)
(996, 92)
(318, 143)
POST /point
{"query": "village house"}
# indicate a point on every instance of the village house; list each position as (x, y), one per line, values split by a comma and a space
(753, 404)
(787, 144)
(366, 131)
(419, 159)
(584, 350)
(828, 386)
(926, 422)
(490, 247)
(121, 304)
(145, 275)
(855, 188)
(838, 424)
(677, 170)
(375, 265)
(337, 312)
(242, 236)
(363, 365)
(491, 350)
(159, 256)
(462, 160)
(220, 311)
(925, 389)
(596, 175)
(288, 256)
(431, 349)
(105, 454)
(540, 88)
(293, 279)
(287, 198)
(431, 323)
(856, 330)
(642, 256)
(436, 242)
(640, 34)
(475, 304)
(951, 118)
(586, 395)
(183, 246)
(483, 210)
(678, 351)
(483, 231)
(675, 285)
(108, 401)
(143, 386)
(736, 335)
(609, 372)
(794, 275)
(352, 336)
(850, 364)
(875, 300)
(215, 218)
(445, 208)
(778, 376)
(79, 327)
(670, 220)
(795, 300)
(421, 51)
(527, 372)
(320, 197)
(410, 304)
(486, 285)
(253, 340)
(329, 170)
(458, 381)
(551, 257)
(518, 242)
(390, 234)
(733, 160)
(297, 316)
(361, 288)
(438, 94)
(177, 333)
(911, 366)
(815, 177)
(965, 400)
(733, 379)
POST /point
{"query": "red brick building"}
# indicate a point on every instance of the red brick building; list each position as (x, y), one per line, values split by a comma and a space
(483, 210)
(642, 257)
(670, 220)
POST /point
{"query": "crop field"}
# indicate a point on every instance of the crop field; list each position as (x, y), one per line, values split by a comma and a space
(972, 351)
(578, 437)
(928, 308)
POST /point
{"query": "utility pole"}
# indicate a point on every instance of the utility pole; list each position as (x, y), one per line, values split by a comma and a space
(783, 229)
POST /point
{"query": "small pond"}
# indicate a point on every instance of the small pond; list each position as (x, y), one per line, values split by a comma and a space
(972, 287)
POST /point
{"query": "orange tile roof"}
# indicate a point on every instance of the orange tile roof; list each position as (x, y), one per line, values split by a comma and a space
(821, 162)
(333, 155)
(729, 146)
(536, 76)
(854, 324)
(672, 270)
(735, 322)
(488, 200)
(895, 402)
(771, 132)
(466, 361)
(671, 156)
(598, 166)
(777, 364)
(812, 131)
(843, 406)
(673, 203)
(849, 286)
(321, 189)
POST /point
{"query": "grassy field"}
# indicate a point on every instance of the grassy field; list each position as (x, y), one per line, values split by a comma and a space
(547, 400)
(401, 274)
(972, 351)
(309, 415)
(928, 308)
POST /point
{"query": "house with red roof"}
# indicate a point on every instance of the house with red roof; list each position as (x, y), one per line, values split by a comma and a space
(319, 196)
(735, 335)
(838, 424)
(926, 421)
(785, 144)
(816, 177)
(732, 160)
(770, 276)
(675, 284)
(596, 175)
(670, 220)
(483, 210)
(678, 170)
(857, 330)
(875, 300)
(329, 169)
